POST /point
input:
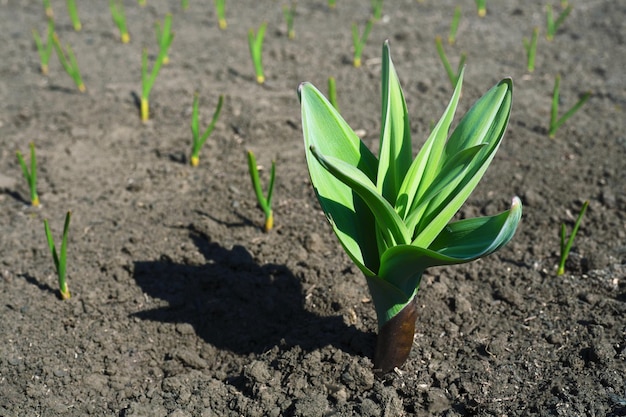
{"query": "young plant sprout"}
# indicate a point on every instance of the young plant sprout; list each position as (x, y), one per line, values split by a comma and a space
(141, 2)
(220, 10)
(288, 12)
(553, 25)
(165, 36)
(566, 247)
(60, 258)
(393, 214)
(147, 81)
(264, 202)
(359, 41)
(453, 76)
(184, 4)
(255, 43)
(119, 18)
(332, 92)
(531, 50)
(69, 63)
(48, 9)
(198, 141)
(44, 51)
(481, 8)
(454, 25)
(31, 176)
(377, 9)
(73, 12)
(555, 121)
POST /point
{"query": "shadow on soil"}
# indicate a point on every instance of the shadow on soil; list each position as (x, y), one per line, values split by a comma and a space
(235, 304)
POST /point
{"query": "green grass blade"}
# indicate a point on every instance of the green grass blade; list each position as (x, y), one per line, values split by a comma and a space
(454, 25)
(211, 126)
(256, 182)
(50, 239)
(572, 236)
(332, 92)
(63, 255)
(270, 187)
(195, 128)
(444, 60)
(569, 113)
(554, 109)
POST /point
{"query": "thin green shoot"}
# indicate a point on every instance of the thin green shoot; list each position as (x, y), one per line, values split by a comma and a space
(453, 76)
(141, 2)
(60, 259)
(332, 4)
(456, 18)
(358, 42)
(30, 176)
(567, 246)
(265, 202)
(220, 10)
(69, 63)
(73, 12)
(332, 92)
(165, 36)
(481, 8)
(564, 4)
(377, 9)
(184, 4)
(198, 141)
(48, 9)
(119, 18)
(45, 51)
(255, 43)
(553, 25)
(531, 49)
(288, 13)
(555, 121)
(147, 81)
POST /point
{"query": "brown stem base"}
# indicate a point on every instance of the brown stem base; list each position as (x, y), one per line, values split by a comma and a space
(395, 340)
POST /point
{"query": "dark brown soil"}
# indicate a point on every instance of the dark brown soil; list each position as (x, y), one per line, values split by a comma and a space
(182, 306)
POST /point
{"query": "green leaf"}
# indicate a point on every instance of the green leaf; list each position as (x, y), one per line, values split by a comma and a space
(351, 219)
(391, 225)
(395, 155)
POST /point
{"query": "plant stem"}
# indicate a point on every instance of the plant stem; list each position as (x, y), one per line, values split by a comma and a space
(264, 202)
(255, 43)
(454, 25)
(119, 18)
(566, 247)
(73, 12)
(531, 49)
(481, 8)
(377, 9)
(69, 63)
(48, 9)
(165, 37)
(395, 339)
(332, 4)
(552, 25)
(359, 41)
(446, 64)
(220, 9)
(60, 260)
(555, 121)
(198, 141)
(147, 81)
(288, 12)
(44, 51)
(31, 177)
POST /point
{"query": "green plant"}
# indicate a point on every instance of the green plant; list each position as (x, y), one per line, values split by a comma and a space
(165, 36)
(456, 18)
(220, 10)
(198, 141)
(359, 41)
(184, 4)
(392, 214)
(567, 246)
(332, 4)
(332, 92)
(69, 63)
(553, 25)
(73, 12)
(264, 202)
(531, 50)
(141, 2)
(555, 121)
(452, 76)
(31, 177)
(48, 9)
(288, 12)
(44, 51)
(481, 8)
(147, 81)
(255, 43)
(119, 18)
(377, 9)
(60, 259)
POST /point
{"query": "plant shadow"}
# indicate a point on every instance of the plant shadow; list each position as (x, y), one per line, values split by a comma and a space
(235, 304)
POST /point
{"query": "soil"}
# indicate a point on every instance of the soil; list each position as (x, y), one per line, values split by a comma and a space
(182, 306)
